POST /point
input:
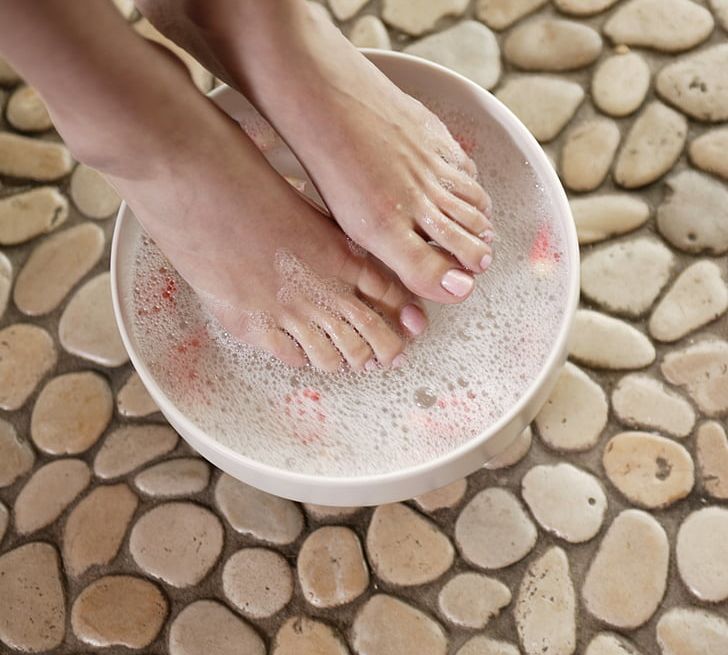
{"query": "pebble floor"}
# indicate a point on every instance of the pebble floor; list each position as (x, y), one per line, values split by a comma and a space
(604, 531)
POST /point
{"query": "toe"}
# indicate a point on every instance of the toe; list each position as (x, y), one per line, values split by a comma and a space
(280, 345)
(347, 340)
(465, 214)
(321, 353)
(465, 187)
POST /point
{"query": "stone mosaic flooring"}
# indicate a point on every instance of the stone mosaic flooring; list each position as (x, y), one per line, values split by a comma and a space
(605, 534)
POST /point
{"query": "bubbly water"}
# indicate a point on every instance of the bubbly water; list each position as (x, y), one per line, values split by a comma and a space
(476, 360)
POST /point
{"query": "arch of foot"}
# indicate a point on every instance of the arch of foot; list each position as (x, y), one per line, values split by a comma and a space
(600, 528)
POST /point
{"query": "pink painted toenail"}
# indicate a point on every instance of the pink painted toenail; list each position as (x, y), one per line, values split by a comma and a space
(485, 262)
(458, 283)
(399, 361)
(413, 319)
(487, 236)
(370, 365)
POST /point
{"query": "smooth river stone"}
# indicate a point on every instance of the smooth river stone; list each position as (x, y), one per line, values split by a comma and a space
(386, 625)
(650, 471)
(16, 456)
(575, 414)
(493, 530)
(92, 194)
(55, 266)
(32, 602)
(256, 513)
(606, 643)
(627, 577)
(6, 282)
(712, 455)
(666, 25)
(331, 567)
(703, 369)
(720, 11)
(485, 646)
(96, 527)
(46, 495)
(702, 559)
(468, 48)
(471, 600)
(405, 548)
(552, 44)
(546, 607)
(604, 216)
(602, 341)
(641, 401)
(71, 413)
(119, 610)
(583, 7)
(27, 215)
(183, 476)
(26, 111)
(698, 296)
(329, 513)
(33, 159)
(513, 453)
(708, 152)
(544, 104)
(500, 14)
(608, 274)
(27, 353)
(346, 9)
(694, 214)
(692, 631)
(698, 84)
(565, 500)
(258, 582)
(370, 32)
(301, 635)
(587, 154)
(133, 400)
(131, 446)
(652, 146)
(620, 84)
(442, 498)
(416, 19)
(206, 627)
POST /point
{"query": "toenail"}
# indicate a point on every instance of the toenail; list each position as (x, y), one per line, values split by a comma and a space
(458, 283)
(370, 365)
(485, 262)
(413, 319)
(399, 361)
(487, 236)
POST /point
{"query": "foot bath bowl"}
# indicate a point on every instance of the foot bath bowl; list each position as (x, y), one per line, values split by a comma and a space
(469, 387)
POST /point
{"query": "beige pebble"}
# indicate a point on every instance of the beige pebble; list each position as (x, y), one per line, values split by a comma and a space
(26, 111)
(651, 471)
(588, 153)
(33, 159)
(416, 19)
(254, 512)
(692, 631)
(641, 401)
(603, 216)
(71, 413)
(27, 353)
(694, 214)
(485, 646)
(544, 104)
(546, 607)
(119, 610)
(16, 455)
(696, 84)
(697, 297)
(258, 582)
(370, 32)
(628, 575)
(576, 412)
(606, 643)
(720, 11)
(552, 44)
(126, 7)
(301, 635)
(471, 600)
(6, 282)
(565, 500)
(493, 530)
(92, 194)
(703, 369)
(206, 627)
(26, 215)
(329, 512)
(346, 9)
(514, 453)
(133, 400)
(96, 527)
(386, 625)
(608, 274)
(88, 327)
(620, 84)
(707, 152)
(583, 7)
(4, 520)
(405, 548)
(8, 75)
(177, 542)
(55, 266)
(651, 147)
(468, 48)
(712, 455)
(443, 498)
(131, 446)
(32, 603)
(176, 477)
(499, 14)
